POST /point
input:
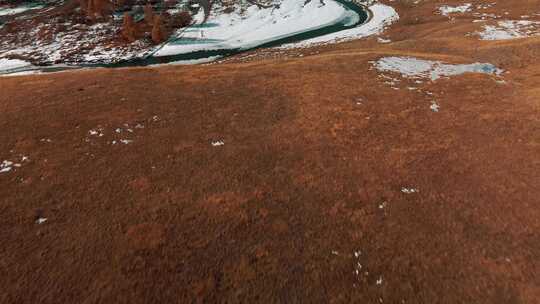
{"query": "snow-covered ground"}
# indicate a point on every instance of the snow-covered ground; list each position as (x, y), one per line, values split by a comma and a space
(12, 65)
(494, 30)
(257, 26)
(381, 17)
(89, 43)
(510, 29)
(410, 67)
(482, 11)
(8, 64)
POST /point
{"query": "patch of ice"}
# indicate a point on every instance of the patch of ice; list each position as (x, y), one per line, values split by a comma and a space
(419, 68)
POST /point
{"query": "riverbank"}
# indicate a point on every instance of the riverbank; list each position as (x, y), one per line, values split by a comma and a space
(191, 47)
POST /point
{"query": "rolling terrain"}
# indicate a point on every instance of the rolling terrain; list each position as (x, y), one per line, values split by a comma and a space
(387, 169)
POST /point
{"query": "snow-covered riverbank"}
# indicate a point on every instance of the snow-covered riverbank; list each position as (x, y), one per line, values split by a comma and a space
(381, 17)
(230, 30)
(257, 26)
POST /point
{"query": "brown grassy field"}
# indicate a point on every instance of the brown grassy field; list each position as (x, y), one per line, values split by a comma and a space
(304, 201)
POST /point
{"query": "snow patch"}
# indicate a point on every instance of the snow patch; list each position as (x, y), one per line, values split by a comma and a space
(13, 65)
(41, 220)
(510, 29)
(435, 107)
(446, 10)
(218, 143)
(7, 165)
(409, 190)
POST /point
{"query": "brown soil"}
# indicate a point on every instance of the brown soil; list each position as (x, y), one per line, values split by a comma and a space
(305, 189)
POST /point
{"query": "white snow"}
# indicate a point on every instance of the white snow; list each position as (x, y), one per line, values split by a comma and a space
(91, 39)
(435, 107)
(41, 220)
(257, 26)
(446, 10)
(409, 190)
(98, 132)
(246, 27)
(218, 143)
(381, 17)
(13, 65)
(16, 10)
(410, 67)
(196, 61)
(510, 29)
(6, 165)
(7, 64)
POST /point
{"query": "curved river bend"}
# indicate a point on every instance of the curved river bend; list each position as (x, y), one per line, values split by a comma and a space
(358, 10)
(360, 14)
